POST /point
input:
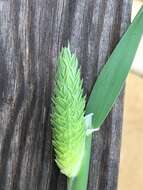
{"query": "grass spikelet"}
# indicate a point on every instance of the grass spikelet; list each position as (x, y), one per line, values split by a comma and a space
(68, 115)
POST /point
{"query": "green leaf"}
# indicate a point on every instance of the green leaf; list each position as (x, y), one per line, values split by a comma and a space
(107, 89)
(114, 73)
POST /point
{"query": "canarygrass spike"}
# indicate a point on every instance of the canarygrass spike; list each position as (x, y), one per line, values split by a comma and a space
(68, 115)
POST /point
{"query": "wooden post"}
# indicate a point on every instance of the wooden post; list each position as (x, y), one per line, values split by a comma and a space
(31, 35)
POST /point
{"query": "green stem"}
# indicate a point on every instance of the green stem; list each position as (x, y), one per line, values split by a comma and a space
(80, 183)
(69, 183)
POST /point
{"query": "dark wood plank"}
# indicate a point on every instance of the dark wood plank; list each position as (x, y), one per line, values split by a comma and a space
(31, 35)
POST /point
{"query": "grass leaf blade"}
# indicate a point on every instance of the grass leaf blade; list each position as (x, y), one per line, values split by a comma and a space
(114, 73)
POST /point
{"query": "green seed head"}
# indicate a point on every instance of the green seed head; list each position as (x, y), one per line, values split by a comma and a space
(68, 115)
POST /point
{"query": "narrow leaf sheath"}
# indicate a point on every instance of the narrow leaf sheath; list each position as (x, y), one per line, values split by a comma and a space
(68, 115)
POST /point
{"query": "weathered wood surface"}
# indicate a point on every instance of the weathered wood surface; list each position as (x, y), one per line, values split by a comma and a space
(31, 34)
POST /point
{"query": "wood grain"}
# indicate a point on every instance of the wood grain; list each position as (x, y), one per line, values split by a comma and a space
(31, 35)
